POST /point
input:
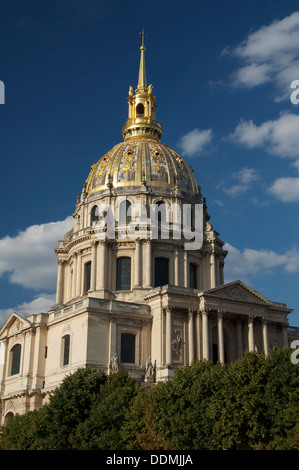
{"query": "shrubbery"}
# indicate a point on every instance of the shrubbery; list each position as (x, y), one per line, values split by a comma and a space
(251, 403)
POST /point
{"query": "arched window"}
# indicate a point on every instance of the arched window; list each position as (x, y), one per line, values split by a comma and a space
(161, 271)
(15, 359)
(161, 209)
(140, 110)
(193, 276)
(127, 348)
(124, 211)
(8, 417)
(123, 275)
(87, 275)
(66, 339)
(94, 214)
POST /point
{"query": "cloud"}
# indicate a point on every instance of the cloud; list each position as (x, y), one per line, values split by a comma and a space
(249, 263)
(280, 137)
(285, 189)
(195, 142)
(28, 258)
(269, 54)
(40, 304)
(244, 180)
(252, 75)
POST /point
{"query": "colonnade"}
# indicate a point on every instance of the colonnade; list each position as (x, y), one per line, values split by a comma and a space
(199, 334)
(70, 278)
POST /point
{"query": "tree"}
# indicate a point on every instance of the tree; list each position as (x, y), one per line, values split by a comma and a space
(52, 426)
(102, 428)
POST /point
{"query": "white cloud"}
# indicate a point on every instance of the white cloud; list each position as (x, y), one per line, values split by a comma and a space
(245, 179)
(249, 263)
(280, 137)
(270, 53)
(252, 75)
(40, 304)
(29, 259)
(285, 189)
(195, 142)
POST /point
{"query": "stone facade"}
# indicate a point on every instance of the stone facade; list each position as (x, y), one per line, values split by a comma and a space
(131, 289)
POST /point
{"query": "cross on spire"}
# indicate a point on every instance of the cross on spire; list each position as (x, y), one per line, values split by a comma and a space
(143, 36)
(142, 74)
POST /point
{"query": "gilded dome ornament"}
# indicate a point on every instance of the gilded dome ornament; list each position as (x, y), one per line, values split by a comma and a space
(142, 159)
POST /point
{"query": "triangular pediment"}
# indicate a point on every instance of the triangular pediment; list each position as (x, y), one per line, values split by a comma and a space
(14, 324)
(237, 291)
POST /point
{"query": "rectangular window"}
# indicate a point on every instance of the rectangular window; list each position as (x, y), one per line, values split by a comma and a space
(66, 350)
(127, 348)
(161, 272)
(87, 276)
(193, 276)
(123, 276)
(16, 359)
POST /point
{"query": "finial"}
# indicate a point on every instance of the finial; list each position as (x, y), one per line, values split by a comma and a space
(143, 35)
(142, 74)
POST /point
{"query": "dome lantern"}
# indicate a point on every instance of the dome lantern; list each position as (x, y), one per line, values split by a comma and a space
(142, 106)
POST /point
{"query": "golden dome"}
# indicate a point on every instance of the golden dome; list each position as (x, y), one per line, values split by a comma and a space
(141, 161)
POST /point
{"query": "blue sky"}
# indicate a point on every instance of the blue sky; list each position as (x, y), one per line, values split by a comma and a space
(221, 73)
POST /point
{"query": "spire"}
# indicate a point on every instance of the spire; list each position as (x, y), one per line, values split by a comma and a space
(142, 73)
(141, 120)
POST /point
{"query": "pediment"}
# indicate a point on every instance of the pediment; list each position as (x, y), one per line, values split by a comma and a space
(14, 324)
(237, 291)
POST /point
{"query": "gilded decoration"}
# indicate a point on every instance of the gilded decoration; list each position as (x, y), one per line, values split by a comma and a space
(158, 159)
(129, 160)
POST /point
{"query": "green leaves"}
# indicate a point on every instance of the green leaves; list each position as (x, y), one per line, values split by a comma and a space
(252, 403)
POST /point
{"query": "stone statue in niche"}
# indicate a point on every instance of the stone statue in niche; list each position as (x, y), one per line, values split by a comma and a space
(177, 345)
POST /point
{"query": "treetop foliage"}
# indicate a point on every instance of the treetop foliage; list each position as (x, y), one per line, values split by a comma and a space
(252, 403)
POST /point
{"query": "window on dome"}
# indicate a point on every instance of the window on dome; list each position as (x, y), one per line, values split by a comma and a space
(140, 110)
(127, 353)
(125, 211)
(161, 209)
(94, 214)
(161, 271)
(193, 276)
(66, 339)
(123, 275)
(87, 276)
(15, 359)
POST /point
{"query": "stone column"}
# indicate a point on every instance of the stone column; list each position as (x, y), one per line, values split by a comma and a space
(101, 264)
(78, 274)
(265, 336)
(186, 273)
(190, 335)
(74, 277)
(213, 269)
(148, 263)
(250, 333)
(220, 336)
(60, 281)
(168, 337)
(239, 338)
(205, 335)
(137, 262)
(112, 342)
(284, 333)
(176, 266)
(93, 266)
(198, 335)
